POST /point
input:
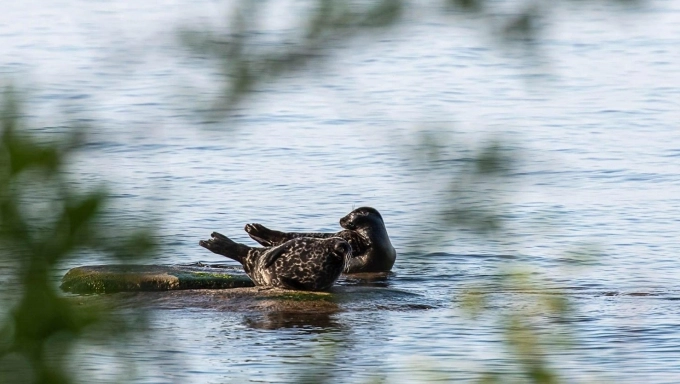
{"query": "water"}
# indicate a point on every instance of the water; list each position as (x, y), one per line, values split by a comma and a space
(593, 120)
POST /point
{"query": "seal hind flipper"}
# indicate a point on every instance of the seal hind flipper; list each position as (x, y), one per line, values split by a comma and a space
(263, 235)
(224, 246)
(270, 238)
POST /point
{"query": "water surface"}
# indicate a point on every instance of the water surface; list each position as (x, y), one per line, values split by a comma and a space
(594, 126)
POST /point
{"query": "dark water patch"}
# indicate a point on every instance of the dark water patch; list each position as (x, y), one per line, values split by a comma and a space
(102, 145)
(207, 148)
(379, 279)
(338, 122)
(642, 294)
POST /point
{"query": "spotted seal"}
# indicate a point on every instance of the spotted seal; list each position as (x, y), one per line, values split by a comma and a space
(364, 230)
(303, 263)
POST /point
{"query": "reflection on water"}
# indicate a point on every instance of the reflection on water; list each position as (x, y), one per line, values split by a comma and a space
(305, 322)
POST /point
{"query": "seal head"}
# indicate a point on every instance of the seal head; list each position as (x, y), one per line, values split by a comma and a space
(376, 253)
(363, 217)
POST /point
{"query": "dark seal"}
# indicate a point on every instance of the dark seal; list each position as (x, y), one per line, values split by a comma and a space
(302, 263)
(365, 231)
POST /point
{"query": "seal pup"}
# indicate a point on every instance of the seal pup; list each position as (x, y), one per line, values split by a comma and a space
(364, 230)
(302, 263)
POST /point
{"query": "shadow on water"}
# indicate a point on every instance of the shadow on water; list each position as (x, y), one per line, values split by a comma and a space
(379, 279)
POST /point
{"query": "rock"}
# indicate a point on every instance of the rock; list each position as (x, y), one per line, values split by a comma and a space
(229, 289)
(134, 278)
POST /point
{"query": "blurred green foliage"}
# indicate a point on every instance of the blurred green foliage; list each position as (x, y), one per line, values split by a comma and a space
(528, 324)
(44, 220)
(246, 64)
(477, 199)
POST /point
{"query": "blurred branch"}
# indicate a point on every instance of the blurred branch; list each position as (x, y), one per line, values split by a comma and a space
(42, 326)
(476, 192)
(520, 307)
(246, 63)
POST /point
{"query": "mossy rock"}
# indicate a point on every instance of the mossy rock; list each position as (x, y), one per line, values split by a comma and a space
(135, 278)
(229, 289)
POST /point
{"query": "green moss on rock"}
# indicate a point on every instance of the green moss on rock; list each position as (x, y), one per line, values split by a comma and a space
(133, 278)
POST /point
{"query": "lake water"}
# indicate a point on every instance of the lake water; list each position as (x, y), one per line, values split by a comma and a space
(592, 118)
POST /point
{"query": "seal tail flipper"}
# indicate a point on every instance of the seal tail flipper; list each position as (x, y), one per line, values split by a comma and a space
(224, 246)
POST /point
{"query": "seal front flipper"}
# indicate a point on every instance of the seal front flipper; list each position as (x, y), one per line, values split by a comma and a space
(294, 284)
(270, 257)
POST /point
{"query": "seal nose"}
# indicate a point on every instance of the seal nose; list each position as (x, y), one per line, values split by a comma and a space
(346, 223)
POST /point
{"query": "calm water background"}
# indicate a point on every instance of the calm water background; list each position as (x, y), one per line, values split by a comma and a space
(593, 120)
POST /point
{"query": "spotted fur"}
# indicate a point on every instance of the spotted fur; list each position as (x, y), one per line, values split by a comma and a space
(303, 263)
(364, 230)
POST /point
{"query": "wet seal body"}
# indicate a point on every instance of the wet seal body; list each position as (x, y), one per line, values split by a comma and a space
(364, 230)
(309, 264)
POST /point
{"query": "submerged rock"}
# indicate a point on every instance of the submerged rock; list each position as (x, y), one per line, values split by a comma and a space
(229, 289)
(274, 300)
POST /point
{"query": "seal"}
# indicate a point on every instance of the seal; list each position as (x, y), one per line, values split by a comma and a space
(364, 230)
(303, 263)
